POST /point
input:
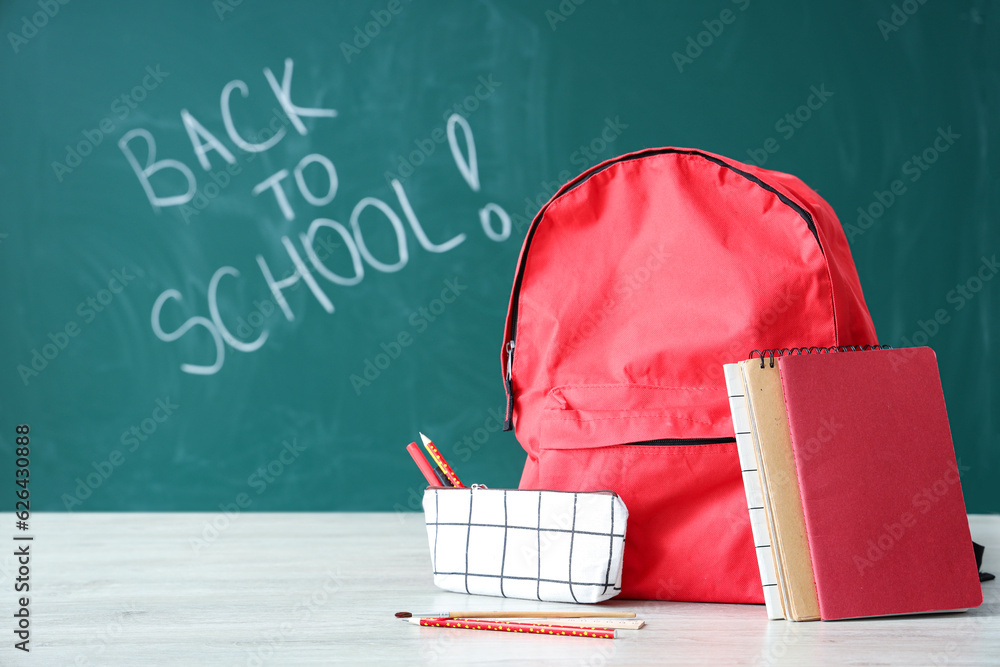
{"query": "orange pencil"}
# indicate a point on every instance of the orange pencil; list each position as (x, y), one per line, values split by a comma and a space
(560, 630)
(438, 459)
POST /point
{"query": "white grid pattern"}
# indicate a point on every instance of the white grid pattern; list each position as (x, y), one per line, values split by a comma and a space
(555, 546)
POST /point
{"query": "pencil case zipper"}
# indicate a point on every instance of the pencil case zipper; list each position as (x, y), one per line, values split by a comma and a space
(478, 487)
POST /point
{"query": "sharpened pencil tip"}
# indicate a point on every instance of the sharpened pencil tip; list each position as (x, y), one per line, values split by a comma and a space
(425, 439)
(403, 614)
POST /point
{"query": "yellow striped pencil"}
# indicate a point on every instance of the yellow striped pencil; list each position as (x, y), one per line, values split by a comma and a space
(470, 624)
(435, 455)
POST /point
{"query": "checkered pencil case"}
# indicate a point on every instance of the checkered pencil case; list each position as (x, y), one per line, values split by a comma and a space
(556, 546)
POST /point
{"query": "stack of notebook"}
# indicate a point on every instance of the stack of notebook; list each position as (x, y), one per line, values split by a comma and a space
(852, 484)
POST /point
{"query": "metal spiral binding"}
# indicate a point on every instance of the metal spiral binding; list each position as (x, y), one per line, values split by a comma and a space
(771, 353)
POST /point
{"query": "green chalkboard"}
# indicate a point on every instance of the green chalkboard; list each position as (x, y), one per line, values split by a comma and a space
(165, 165)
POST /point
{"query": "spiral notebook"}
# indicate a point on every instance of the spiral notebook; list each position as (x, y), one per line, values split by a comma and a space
(753, 486)
(862, 511)
(763, 442)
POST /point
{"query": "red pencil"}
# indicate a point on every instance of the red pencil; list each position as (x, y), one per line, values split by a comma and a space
(562, 630)
(425, 467)
(438, 459)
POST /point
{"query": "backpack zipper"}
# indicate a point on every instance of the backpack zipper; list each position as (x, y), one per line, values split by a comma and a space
(508, 387)
(508, 423)
(673, 442)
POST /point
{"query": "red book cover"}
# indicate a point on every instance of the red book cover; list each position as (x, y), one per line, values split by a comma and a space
(883, 505)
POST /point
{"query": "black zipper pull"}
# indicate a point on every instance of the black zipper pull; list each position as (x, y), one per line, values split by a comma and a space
(508, 422)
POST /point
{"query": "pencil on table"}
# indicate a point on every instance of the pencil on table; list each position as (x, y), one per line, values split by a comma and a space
(470, 624)
(521, 614)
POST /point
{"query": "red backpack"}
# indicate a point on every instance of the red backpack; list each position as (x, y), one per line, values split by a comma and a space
(635, 283)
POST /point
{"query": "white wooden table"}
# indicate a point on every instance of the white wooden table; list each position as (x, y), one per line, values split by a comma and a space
(321, 589)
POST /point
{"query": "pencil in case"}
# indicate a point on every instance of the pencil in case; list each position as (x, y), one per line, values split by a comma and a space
(555, 546)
